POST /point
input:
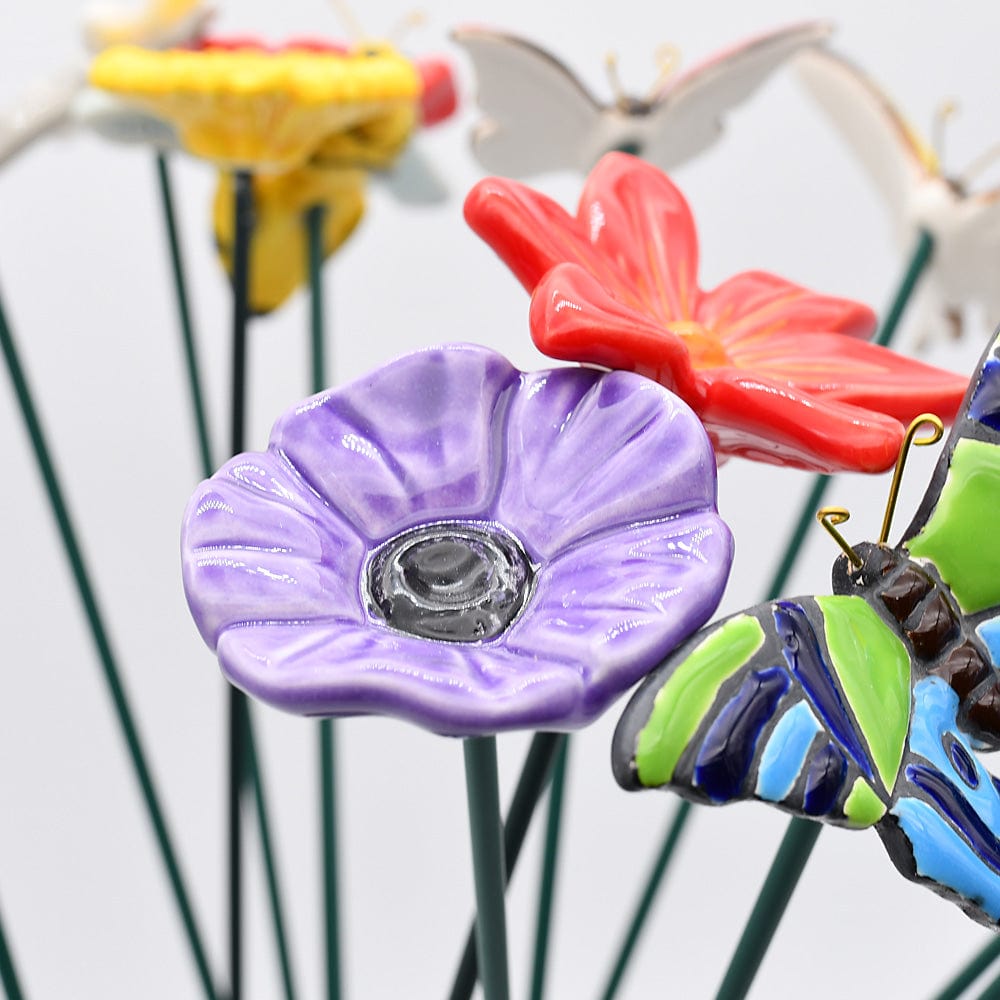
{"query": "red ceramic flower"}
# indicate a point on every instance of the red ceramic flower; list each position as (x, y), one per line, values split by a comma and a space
(777, 373)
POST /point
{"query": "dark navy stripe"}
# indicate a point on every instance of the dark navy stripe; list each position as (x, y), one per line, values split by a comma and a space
(985, 404)
(957, 809)
(824, 780)
(731, 741)
(802, 651)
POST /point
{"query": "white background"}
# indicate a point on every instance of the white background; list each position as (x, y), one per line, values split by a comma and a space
(85, 279)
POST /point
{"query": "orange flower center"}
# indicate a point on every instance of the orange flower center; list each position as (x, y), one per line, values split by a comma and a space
(704, 346)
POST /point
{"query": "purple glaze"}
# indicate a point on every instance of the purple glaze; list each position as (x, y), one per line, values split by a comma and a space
(605, 478)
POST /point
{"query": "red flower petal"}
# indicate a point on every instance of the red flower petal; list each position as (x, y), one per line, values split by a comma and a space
(853, 371)
(751, 307)
(636, 218)
(770, 422)
(573, 318)
(529, 232)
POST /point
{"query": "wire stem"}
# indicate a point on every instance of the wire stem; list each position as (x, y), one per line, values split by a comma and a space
(238, 753)
(8, 973)
(489, 870)
(670, 841)
(105, 654)
(184, 314)
(548, 881)
(530, 785)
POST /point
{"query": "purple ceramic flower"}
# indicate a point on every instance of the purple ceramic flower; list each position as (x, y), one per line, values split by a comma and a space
(461, 544)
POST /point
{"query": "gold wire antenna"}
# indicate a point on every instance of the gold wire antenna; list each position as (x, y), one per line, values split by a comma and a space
(667, 59)
(830, 516)
(611, 71)
(910, 438)
(946, 109)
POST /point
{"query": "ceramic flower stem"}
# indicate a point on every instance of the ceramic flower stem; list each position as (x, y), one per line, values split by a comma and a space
(237, 709)
(677, 826)
(486, 828)
(547, 890)
(327, 753)
(184, 313)
(105, 653)
(530, 785)
(8, 973)
(980, 962)
(801, 835)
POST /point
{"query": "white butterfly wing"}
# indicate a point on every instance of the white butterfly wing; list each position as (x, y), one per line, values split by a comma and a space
(537, 116)
(686, 115)
(43, 109)
(896, 160)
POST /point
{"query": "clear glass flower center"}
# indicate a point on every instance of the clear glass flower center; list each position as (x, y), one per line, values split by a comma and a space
(460, 581)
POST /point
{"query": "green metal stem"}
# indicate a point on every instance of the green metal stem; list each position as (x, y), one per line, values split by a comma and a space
(548, 881)
(670, 841)
(107, 658)
(971, 972)
(789, 862)
(331, 909)
(489, 870)
(801, 835)
(314, 218)
(270, 864)
(8, 973)
(184, 314)
(992, 992)
(237, 712)
(530, 785)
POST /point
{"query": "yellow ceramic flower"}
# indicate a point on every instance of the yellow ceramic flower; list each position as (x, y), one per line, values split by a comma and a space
(258, 109)
(278, 257)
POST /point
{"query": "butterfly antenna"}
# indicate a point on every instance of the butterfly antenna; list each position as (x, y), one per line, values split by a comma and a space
(831, 516)
(667, 59)
(910, 438)
(611, 69)
(946, 109)
(979, 164)
(347, 18)
(399, 31)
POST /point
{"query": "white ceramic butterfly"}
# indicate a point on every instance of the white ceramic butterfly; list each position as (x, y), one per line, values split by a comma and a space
(539, 117)
(965, 264)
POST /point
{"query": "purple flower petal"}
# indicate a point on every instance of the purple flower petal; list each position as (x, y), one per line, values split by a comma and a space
(256, 546)
(328, 669)
(605, 479)
(616, 604)
(589, 450)
(414, 441)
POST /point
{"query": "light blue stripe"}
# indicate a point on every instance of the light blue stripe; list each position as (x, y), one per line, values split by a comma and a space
(944, 857)
(989, 632)
(785, 753)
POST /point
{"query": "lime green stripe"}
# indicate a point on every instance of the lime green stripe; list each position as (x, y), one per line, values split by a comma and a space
(874, 671)
(863, 807)
(682, 702)
(959, 537)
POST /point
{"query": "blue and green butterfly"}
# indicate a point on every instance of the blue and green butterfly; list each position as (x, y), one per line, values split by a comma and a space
(863, 708)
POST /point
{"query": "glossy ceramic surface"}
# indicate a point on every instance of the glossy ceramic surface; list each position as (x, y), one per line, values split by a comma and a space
(247, 107)
(964, 222)
(776, 373)
(606, 482)
(539, 117)
(863, 708)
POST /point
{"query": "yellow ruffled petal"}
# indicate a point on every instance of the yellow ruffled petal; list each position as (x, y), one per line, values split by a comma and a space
(254, 109)
(278, 255)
